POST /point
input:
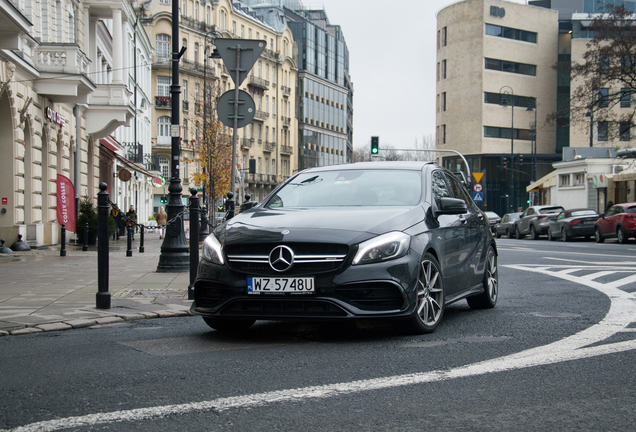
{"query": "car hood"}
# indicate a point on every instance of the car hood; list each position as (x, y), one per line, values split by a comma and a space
(342, 225)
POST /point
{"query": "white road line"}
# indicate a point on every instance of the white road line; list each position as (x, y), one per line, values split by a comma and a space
(596, 254)
(623, 281)
(597, 275)
(594, 263)
(621, 314)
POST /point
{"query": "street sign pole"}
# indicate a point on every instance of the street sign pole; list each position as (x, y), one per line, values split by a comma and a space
(235, 128)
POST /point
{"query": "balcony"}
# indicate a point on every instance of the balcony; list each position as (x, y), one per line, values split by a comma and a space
(198, 107)
(109, 107)
(286, 150)
(164, 102)
(246, 143)
(257, 82)
(14, 23)
(286, 121)
(186, 105)
(63, 69)
(259, 115)
(160, 60)
(286, 91)
(134, 152)
(269, 146)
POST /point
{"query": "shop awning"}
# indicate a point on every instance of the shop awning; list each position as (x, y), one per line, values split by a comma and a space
(544, 182)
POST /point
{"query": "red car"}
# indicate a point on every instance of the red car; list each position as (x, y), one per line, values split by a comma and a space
(619, 222)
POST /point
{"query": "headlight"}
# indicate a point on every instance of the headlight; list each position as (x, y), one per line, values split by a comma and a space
(212, 250)
(385, 247)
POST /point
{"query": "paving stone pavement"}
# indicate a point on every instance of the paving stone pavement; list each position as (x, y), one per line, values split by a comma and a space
(42, 291)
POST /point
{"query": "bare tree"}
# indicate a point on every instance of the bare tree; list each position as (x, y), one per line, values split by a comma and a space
(427, 143)
(606, 77)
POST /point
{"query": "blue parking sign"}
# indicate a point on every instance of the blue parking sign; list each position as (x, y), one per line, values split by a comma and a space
(478, 196)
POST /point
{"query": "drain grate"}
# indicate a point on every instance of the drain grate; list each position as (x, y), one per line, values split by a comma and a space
(150, 293)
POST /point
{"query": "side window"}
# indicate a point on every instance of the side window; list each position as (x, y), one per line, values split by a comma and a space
(458, 190)
(439, 187)
(504, 219)
(561, 215)
(530, 212)
(611, 212)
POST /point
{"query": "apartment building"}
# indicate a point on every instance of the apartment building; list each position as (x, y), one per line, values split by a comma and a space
(271, 137)
(64, 89)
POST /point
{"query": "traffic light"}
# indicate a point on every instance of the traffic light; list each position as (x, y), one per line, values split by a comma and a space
(375, 145)
(164, 199)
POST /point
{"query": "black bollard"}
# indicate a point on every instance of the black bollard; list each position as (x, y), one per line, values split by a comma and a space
(141, 238)
(85, 247)
(103, 296)
(63, 241)
(129, 242)
(194, 240)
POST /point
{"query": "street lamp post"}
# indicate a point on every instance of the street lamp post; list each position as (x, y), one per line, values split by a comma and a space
(506, 92)
(533, 129)
(174, 249)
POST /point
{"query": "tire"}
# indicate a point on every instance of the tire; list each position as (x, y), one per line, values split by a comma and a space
(533, 233)
(550, 238)
(497, 235)
(229, 325)
(430, 298)
(598, 236)
(621, 235)
(509, 234)
(488, 298)
(564, 236)
(518, 234)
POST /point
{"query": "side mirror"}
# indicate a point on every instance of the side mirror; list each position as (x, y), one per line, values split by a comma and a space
(452, 206)
(602, 216)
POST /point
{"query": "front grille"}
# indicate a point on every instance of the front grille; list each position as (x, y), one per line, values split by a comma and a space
(282, 308)
(372, 296)
(210, 295)
(309, 258)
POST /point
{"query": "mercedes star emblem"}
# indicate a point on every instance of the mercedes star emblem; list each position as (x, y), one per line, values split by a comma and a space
(281, 258)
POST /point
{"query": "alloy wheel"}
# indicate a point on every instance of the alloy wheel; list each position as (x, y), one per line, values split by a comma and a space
(430, 294)
(492, 279)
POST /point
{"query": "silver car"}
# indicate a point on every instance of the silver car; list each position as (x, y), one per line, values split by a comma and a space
(535, 221)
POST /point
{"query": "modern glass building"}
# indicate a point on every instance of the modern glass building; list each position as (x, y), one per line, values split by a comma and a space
(325, 91)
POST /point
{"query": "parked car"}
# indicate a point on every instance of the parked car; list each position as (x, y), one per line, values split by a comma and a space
(619, 222)
(535, 221)
(573, 223)
(493, 219)
(506, 226)
(366, 240)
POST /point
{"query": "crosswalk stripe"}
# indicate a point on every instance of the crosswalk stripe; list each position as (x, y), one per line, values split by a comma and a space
(597, 275)
(623, 281)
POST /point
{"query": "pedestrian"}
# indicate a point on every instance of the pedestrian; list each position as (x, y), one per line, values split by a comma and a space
(131, 220)
(119, 219)
(162, 218)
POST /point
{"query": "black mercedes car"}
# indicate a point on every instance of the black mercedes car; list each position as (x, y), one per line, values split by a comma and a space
(394, 240)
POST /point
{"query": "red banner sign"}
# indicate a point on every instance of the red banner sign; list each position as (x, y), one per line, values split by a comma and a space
(65, 202)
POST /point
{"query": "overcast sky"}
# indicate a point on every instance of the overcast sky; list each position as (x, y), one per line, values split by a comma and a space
(392, 66)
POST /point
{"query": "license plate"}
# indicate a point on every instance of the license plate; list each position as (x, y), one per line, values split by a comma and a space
(265, 285)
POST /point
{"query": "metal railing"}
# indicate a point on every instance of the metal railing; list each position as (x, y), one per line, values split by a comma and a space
(163, 101)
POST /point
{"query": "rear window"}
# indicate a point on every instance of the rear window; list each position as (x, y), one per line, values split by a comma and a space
(583, 213)
(551, 210)
(631, 210)
(514, 216)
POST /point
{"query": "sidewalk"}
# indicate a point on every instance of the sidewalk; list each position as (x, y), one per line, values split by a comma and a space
(41, 291)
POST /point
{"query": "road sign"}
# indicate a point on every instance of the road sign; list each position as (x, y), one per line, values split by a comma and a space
(478, 196)
(478, 187)
(225, 108)
(250, 50)
(478, 176)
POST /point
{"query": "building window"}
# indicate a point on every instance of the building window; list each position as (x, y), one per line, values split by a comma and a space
(163, 85)
(602, 130)
(511, 33)
(603, 97)
(624, 128)
(163, 46)
(444, 101)
(626, 98)
(444, 37)
(564, 180)
(443, 134)
(511, 67)
(163, 130)
(443, 69)
(579, 179)
(499, 132)
(164, 165)
(519, 101)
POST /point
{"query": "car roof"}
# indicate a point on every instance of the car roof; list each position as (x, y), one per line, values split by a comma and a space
(626, 204)
(404, 165)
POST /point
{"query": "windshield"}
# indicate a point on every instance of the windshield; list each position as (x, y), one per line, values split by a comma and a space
(514, 216)
(350, 188)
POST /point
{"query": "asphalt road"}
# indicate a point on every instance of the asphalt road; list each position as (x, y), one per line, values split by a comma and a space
(557, 353)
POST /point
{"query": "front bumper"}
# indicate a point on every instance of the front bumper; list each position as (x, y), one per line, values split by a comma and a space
(379, 290)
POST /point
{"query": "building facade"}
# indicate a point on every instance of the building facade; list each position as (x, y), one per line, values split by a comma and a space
(495, 82)
(62, 91)
(325, 90)
(271, 138)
